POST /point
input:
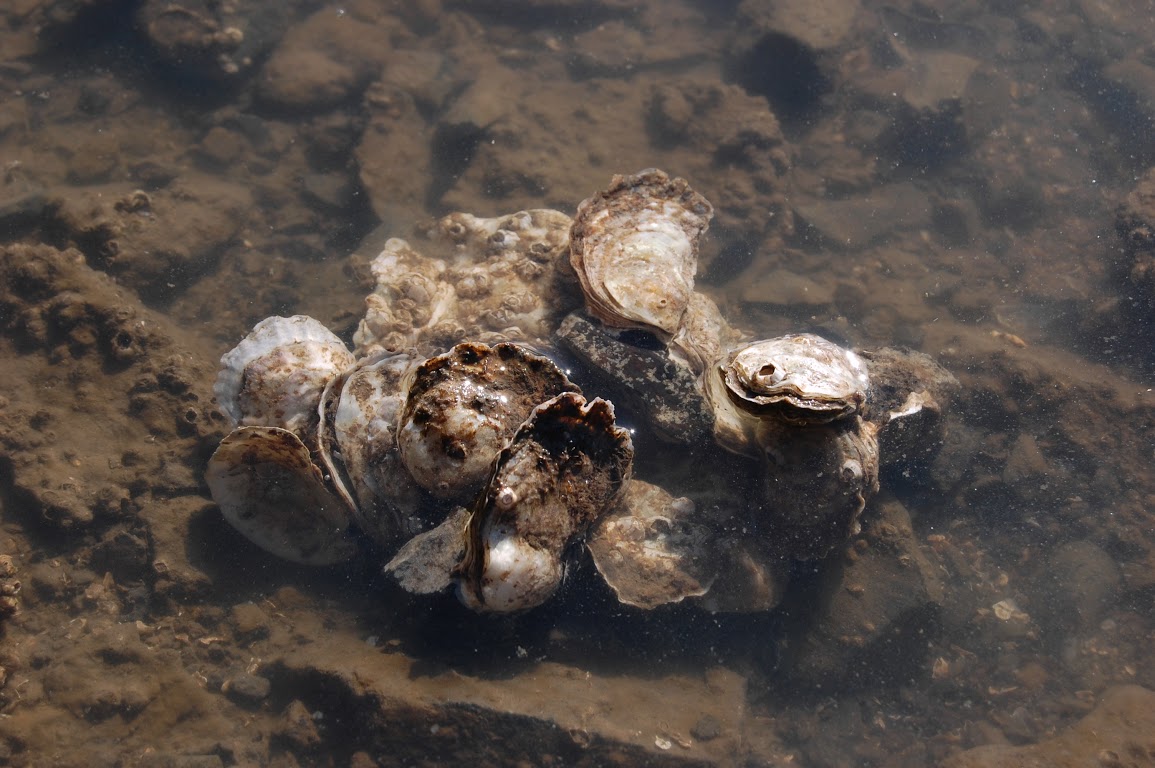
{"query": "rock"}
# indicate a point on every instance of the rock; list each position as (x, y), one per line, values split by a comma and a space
(1116, 733)
(216, 41)
(873, 611)
(394, 154)
(857, 222)
(176, 562)
(324, 62)
(1077, 585)
(74, 327)
(298, 728)
(1135, 223)
(249, 621)
(156, 243)
(247, 689)
(642, 379)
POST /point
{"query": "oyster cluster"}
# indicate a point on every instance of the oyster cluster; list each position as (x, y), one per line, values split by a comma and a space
(453, 445)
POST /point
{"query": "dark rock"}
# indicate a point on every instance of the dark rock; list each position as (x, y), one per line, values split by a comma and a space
(247, 689)
(873, 611)
(298, 728)
(706, 728)
(1077, 585)
(642, 378)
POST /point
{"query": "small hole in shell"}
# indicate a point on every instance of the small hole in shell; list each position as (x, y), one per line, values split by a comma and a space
(767, 371)
(505, 499)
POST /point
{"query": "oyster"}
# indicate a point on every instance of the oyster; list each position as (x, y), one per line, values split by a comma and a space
(265, 476)
(359, 447)
(465, 278)
(275, 376)
(798, 379)
(634, 248)
(565, 466)
(793, 404)
(268, 487)
(649, 549)
(462, 407)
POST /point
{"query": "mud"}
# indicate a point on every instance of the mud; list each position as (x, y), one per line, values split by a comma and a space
(967, 180)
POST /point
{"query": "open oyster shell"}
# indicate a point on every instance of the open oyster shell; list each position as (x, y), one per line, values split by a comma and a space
(462, 407)
(274, 377)
(269, 489)
(563, 469)
(634, 248)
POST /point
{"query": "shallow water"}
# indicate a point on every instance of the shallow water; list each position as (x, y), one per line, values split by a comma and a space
(966, 180)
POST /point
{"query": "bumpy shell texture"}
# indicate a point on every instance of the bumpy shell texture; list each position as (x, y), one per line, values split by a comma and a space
(634, 248)
(275, 376)
(462, 408)
(563, 469)
(465, 278)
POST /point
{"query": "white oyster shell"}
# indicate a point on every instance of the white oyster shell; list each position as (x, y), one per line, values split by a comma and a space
(362, 411)
(634, 248)
(799, 379)
(469, 278)
(565, 466)
(275, 376)
(269, 489)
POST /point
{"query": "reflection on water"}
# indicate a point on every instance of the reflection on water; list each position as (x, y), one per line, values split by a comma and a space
(965, 180)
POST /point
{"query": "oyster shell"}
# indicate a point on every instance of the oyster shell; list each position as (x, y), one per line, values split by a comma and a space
(649, 549)
(275, 376)
(793, 404)
(359, 448)
(634, 248)
(798, 379)
(462, 407)
(565, 466)
(465, 278)
(269, 489)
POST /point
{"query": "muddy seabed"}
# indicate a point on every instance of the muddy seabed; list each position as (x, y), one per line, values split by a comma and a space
(965, 179)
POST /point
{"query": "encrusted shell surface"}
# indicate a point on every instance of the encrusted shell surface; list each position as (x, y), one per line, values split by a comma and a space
(634, 248)
(650, 550)
(465, 278)
(275, 376)
(462, 407)
(269, 489)
(563, 469)
(798, 379)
